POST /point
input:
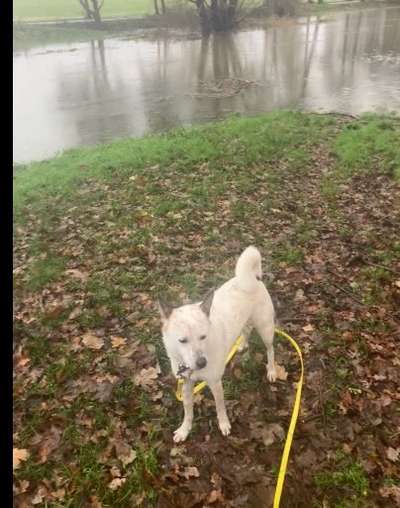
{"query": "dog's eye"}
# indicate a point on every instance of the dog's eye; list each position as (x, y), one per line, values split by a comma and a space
(202, 337)
(183, 340)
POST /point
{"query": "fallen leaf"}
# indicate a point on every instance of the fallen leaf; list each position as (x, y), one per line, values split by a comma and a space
(92, 342)
(131, 349)
(215, 495)
(306, 458)
(308, 328)
(268, 433)
(115, 472)
(280, 372)
(78, 274)
(299, 296)
(116, 483)
(176, 451)
(39, 496)
(391, 491)
(19, 455)
(146, 377)
(58, 494)
(55, 312)
(103, 391)
(23, 361)
(393, 453)
(157, 396)
(189, 472)
(94, 502)
(124, 452)
(23, 486)
(75, 313)
(117, 341)
(49, 444)
(137, 499)
(216, 480)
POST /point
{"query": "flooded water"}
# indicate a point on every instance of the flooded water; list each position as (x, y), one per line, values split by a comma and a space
(88, 93)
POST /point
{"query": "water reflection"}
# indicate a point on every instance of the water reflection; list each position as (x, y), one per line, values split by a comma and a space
(94, 92)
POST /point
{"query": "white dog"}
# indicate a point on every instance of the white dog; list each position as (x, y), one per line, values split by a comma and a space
(199, 336)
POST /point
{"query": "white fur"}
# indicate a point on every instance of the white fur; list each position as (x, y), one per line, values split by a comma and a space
(238, 305)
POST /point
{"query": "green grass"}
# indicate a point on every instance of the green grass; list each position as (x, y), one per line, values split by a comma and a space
(349, 479)
(234, 143)
(43, 271)
(370, 146)
(38, 10)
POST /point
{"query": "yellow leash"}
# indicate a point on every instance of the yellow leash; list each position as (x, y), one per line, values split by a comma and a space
(295, 413)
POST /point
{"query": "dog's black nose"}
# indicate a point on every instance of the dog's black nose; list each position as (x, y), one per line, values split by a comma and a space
(201, 362)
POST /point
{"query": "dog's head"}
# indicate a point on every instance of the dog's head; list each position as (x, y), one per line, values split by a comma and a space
(185, 332)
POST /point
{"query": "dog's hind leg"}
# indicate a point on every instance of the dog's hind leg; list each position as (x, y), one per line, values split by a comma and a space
(265, 327)
(223, 420)
(182, 432)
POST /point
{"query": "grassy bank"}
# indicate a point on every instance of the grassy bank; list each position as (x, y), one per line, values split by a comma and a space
(46, 10)
(179, 17)
(100, 231)
(39, 10)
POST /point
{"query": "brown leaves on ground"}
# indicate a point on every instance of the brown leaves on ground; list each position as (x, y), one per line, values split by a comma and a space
(48, 443)
(124, 452)
(116, 483)
(267, 433)
(19, 456)
(146, 378)
(77, 274)
(92, 342)
(117, 342)
(281, 373)
(393, 454)
(392, 492)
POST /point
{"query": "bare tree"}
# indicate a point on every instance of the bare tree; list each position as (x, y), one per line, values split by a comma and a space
(217, 15)
(92, 9)
(157, 9)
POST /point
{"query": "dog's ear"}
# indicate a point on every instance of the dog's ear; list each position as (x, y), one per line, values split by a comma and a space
(205, 305)
(165, 309)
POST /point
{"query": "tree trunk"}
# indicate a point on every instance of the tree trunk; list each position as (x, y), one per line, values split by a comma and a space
(156, 7)
(96, 11)
(163, 9)
(92, 9)
(217, 16)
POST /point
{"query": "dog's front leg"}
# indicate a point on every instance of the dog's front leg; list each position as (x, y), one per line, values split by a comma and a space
(182, 432)
(223, 420)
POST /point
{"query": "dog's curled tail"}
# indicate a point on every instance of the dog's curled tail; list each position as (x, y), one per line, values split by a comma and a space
(248, 268)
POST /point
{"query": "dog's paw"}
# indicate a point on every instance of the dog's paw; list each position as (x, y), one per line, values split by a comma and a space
(181, 433)
(271, 374)
(224, 426)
